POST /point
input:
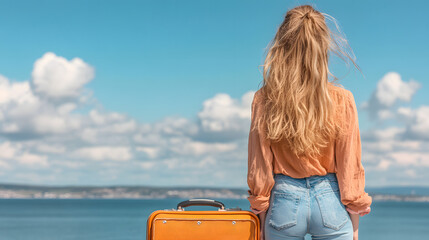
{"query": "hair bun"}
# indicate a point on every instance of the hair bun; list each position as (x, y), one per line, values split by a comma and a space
(306, 15)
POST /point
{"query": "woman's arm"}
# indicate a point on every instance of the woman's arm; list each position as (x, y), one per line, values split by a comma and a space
(348, 156)
(260, 175)
(262, 224)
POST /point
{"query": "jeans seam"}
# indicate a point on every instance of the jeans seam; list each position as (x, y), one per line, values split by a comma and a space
(309, 209)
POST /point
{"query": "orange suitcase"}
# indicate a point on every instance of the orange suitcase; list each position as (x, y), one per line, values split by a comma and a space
(221, 224)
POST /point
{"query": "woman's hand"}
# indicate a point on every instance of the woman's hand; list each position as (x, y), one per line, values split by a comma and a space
(361, 213)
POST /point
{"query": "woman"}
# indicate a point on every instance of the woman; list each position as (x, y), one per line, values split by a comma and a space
(305, 173)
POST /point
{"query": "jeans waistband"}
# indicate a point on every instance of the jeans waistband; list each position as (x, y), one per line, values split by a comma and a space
(307, 181)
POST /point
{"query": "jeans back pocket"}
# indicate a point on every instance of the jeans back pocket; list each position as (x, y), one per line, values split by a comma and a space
(334, 213)
(284, 210)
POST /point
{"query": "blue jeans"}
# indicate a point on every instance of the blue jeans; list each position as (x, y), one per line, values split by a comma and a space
(307, 205)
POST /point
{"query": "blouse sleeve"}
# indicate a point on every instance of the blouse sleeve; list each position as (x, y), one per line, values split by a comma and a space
(260, 176)
(350, 171)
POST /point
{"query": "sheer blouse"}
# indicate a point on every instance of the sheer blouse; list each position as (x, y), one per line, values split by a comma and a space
(342, 156)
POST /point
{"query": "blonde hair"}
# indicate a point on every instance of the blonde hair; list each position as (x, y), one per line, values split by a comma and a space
(297, 105)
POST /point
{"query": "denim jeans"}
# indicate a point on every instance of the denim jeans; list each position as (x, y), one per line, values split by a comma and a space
(307, 205)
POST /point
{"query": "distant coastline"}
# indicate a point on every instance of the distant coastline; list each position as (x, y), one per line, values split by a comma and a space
(13, 191)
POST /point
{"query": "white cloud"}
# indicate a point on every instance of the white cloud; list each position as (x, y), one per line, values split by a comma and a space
(416, 121)
(56, 77)
(384, 134)
(384, 114)
(222, 113)
(384, 164)
(10, 128)
(151, 152)
(411, 173)
(419, 124)
(200, 148)
(124, 127)
(33, 160)
(147, 165)
(104, 118)
(51, 148)
(19, 92)
(4, 166)
(419, 159)
(66, 108)
(55, 124)
(17, 152)
(105, 153)
(390, 89)
(89, 135)
(224, 118)
(405, 112)
(8, 150)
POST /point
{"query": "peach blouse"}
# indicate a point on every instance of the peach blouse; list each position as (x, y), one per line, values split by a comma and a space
(342, 156)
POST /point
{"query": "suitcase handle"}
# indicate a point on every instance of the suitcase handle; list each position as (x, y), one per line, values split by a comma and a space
(200, 202)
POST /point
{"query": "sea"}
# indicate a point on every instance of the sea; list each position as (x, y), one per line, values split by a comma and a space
(109, 219)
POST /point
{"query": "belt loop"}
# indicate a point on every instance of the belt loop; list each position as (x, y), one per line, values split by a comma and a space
(308, 182)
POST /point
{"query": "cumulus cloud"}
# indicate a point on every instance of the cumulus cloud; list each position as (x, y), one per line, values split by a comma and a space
(56, 77)
(50, 148)
(384, 134)
(417, 122)
(33, 160)
(414, 125)
(105, 153)
(8, 150)
(32, 109)
(11, 153)
(390, 89)
(406, 158)
(224, 118)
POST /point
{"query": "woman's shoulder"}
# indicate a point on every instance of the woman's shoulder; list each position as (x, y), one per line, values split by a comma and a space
(258, 95)
(339, 90)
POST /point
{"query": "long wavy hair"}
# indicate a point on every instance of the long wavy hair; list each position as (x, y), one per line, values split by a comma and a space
(298, 106)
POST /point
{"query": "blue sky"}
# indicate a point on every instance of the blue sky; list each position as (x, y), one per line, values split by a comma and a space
(153, 62)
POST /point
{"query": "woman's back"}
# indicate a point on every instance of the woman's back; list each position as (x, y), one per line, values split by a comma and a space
(342, 156)
(298, 167)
